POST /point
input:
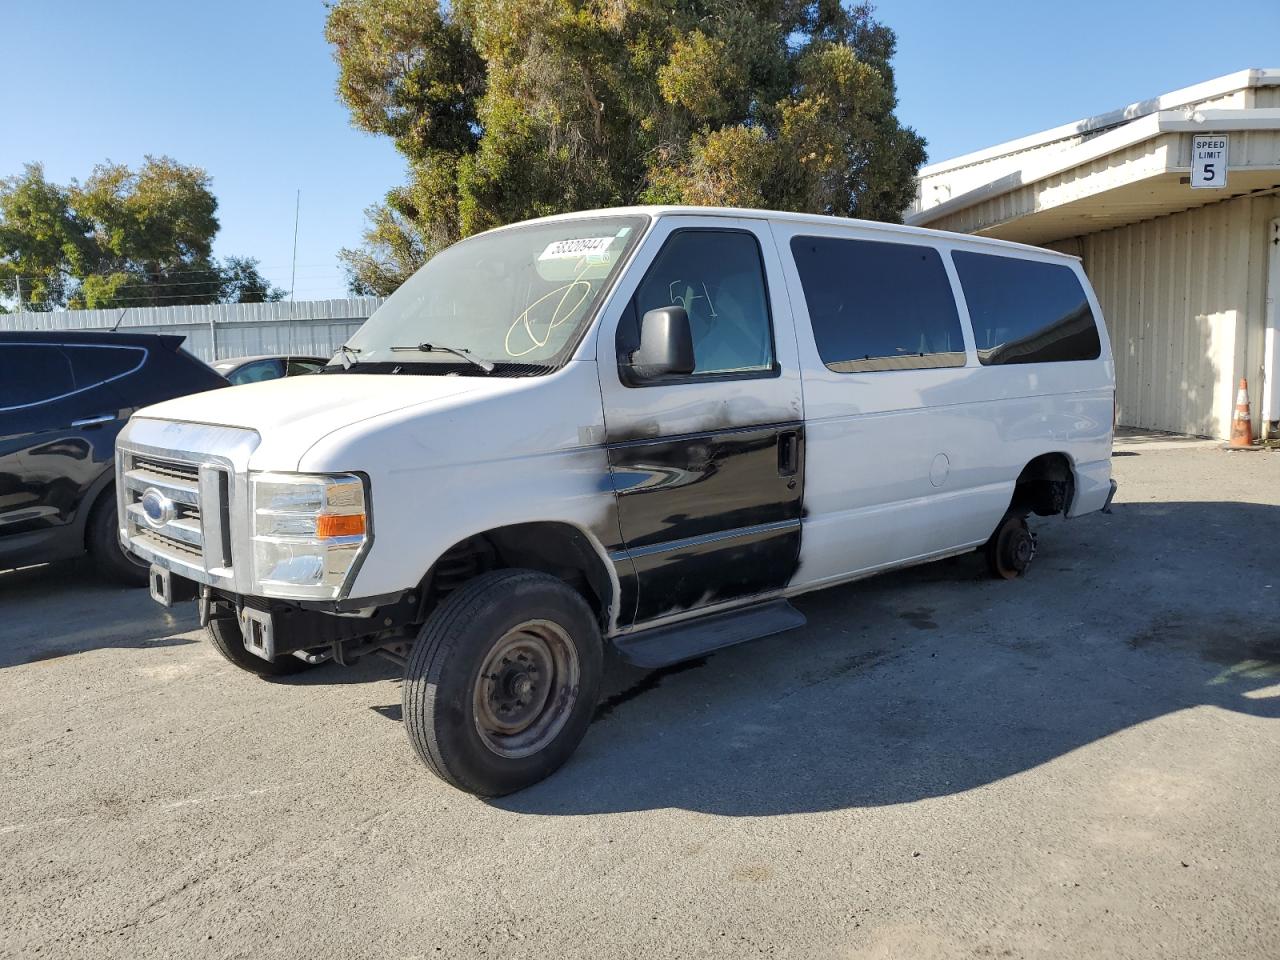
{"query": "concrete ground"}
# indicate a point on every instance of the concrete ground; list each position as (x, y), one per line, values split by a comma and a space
(1084, 762)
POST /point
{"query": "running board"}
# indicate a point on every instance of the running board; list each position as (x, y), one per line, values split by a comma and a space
(663, 646)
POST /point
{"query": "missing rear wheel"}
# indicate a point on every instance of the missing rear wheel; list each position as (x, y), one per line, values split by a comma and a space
(1011, 548)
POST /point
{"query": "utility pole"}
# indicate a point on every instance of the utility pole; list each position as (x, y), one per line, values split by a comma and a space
(293, 277)
(17, 282)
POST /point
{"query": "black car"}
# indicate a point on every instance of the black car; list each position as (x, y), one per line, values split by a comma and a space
(63, 399)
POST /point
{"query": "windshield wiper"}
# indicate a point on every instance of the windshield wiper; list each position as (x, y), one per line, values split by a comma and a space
(484, 365)
(348, 355)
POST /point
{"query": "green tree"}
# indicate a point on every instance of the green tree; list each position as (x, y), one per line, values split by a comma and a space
(509, 109)
(241, 282)
(153, 233)
(123, 238)
(41, 240)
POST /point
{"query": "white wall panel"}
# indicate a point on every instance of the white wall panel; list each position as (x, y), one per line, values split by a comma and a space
(221, 330)
(1184, 297)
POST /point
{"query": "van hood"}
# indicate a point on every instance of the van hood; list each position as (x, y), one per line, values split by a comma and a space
(292, 413)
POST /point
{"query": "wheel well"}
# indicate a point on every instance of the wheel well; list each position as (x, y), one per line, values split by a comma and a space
(1045, 487)
(558, 549)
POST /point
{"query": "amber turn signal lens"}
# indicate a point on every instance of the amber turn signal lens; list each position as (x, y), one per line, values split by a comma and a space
(346, 525)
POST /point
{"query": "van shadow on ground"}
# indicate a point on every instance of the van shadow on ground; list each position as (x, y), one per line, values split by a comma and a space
(937, 680)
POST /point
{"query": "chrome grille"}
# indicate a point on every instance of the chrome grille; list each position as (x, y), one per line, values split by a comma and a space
(168, 545)
(188, 472)
(184, 533)
(201, 473)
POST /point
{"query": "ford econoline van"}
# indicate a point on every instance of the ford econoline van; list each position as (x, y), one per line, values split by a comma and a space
(647, 427)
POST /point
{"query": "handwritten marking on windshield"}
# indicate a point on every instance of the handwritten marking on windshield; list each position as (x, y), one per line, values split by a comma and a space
(558, 316)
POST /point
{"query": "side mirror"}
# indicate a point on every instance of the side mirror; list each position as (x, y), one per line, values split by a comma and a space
(666, 345)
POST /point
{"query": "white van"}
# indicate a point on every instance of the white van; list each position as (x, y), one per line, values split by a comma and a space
(647, 426)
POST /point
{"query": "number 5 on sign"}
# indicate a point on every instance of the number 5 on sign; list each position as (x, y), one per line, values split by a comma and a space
(1209, 161)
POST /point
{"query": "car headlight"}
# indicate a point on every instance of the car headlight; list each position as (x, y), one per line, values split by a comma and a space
(308, 531)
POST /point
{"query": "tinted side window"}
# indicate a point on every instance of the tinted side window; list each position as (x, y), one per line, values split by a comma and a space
(299, 366)
(878, 306)
(718, 277)
(1026, 311)
(94, 365)
(33, 373)
(257, 371)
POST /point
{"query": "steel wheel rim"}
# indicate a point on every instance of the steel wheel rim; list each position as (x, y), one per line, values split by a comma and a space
(1015, 549)
(526, 689)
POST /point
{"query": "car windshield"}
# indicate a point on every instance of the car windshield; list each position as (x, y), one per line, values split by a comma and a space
(514, 299)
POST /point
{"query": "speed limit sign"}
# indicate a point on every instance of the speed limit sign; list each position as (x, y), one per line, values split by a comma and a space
(1209, 161)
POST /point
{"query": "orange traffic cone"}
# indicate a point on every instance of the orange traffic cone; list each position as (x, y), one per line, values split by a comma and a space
(1241, 422)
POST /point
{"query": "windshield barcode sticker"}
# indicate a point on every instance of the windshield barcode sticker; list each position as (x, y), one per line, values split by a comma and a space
(573, 249)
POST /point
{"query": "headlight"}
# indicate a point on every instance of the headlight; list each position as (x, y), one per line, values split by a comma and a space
(308, 530)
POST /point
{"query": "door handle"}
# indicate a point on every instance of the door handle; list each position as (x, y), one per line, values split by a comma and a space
(94, 421)
(788, 453)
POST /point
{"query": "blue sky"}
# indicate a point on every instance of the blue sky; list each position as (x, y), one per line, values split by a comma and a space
(246, 90)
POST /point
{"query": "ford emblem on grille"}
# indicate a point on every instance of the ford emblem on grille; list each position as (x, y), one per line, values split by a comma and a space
(157, 507)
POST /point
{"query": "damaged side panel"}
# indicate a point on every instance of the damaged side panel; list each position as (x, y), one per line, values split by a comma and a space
(709, 517)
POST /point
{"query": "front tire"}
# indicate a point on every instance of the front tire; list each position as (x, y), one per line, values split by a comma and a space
(104, 545)
(224, 634)
(502, 682)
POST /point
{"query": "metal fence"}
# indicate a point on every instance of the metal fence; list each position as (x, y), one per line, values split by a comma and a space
(219, 330)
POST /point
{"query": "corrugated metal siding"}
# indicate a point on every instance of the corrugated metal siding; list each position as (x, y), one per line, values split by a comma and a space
(1265, 97)
(1184, 299)
(960, 180)
(219, 330)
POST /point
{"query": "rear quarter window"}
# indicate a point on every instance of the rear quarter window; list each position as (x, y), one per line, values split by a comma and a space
(168, 372)
(878, 306)
(93, 365)
(1026, 311)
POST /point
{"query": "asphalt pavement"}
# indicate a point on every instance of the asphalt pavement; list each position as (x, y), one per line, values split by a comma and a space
(1085, 762)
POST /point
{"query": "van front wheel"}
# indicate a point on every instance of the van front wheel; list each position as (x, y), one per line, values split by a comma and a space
(502, 681)
(1011, 548)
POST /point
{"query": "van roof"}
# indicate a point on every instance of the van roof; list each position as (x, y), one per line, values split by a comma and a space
(814, 218)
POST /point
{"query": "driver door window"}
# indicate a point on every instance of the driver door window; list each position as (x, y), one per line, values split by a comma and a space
(718, 277)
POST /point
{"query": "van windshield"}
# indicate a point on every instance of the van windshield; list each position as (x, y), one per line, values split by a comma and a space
(514, 301)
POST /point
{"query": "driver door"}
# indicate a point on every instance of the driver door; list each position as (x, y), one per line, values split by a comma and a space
(708, 468)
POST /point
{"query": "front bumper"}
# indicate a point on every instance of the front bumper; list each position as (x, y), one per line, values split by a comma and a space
(275, 628)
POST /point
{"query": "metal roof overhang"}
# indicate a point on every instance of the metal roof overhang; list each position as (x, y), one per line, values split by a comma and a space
(1132, 173)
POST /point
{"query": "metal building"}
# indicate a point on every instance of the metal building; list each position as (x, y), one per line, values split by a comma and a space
(1174, 205)
(219, 330)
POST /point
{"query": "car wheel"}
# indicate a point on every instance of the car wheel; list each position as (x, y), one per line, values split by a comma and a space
(224, 634)
(104, 545)
(502, 682)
